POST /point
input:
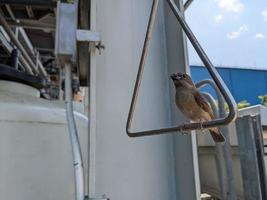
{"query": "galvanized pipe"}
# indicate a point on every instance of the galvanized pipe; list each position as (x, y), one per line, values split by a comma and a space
(219, 159)
(18, 44)
(227, 151)
(213, 72)
(25, 65)
(74, 139)
(27, 40)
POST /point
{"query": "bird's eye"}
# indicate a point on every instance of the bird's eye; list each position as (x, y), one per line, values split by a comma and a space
(184, 76)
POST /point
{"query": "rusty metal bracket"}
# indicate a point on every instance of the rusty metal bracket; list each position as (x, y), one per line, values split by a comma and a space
(211, 69)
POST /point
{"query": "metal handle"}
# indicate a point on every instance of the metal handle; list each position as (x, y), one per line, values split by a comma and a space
(213, 72)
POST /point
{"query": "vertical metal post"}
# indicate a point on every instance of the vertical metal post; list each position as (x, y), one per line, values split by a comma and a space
(260, 154)
(248, 158)
(92, 106)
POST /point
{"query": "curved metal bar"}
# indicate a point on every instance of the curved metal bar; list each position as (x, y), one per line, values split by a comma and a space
(218, 148)
(227, 146)
(212, 103)
(151, 23)
(214, 74)
(187, 4)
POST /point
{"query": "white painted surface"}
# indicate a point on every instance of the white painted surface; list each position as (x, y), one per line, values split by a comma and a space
(35, 149)
(139, 168)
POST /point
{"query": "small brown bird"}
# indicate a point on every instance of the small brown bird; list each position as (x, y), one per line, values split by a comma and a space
(192, 104)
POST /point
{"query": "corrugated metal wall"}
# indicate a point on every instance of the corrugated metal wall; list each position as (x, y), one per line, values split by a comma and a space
(244, 84)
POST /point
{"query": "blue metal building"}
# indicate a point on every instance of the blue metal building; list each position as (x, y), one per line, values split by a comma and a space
(244, 84)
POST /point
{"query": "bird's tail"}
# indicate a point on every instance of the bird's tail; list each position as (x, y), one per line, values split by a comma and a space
(217, 136)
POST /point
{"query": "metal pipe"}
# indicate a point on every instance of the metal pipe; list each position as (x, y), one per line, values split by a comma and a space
(40, 67)
(219, 159)
(25, 65)
(31, 24)
(213, 72)
(74, 139)
(17, 43)
(210, 82)
(49, 3)
(227, 151)
(187, 4)
(212, 103)
(14, 58)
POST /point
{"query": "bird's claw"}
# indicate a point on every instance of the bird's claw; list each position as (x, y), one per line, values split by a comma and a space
(183, 132)
(201, 127)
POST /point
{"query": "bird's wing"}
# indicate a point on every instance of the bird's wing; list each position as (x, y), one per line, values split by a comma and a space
(203, 104)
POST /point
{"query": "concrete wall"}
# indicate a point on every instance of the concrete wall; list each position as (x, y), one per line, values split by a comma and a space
(156, 167)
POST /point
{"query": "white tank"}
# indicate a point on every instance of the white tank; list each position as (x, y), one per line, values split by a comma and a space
(35, 151)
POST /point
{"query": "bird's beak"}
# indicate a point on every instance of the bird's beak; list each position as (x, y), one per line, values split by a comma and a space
(174, 77)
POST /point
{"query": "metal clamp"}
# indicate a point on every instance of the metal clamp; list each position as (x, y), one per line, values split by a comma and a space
(91, 37)
(211, 69)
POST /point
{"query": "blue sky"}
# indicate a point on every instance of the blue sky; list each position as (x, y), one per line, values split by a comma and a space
(232, 32)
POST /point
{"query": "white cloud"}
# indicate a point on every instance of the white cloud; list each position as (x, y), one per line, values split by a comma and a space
(231, 5)
(264, 14)
(236, 34)
(218, 18)
(260, 36)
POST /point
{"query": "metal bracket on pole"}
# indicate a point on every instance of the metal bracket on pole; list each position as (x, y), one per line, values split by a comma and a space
(211, 69)
(91, 37)
(87, 36)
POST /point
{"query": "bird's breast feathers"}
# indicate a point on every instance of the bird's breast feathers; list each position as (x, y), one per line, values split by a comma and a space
(187, 104)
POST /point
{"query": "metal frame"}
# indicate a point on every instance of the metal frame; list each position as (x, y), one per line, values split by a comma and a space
(248, 129)
(258, 135)
(211, 69)
(24, 58)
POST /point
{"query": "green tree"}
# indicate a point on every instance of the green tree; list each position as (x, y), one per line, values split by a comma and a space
(243, 104)
(263, 99)
(240, 105)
